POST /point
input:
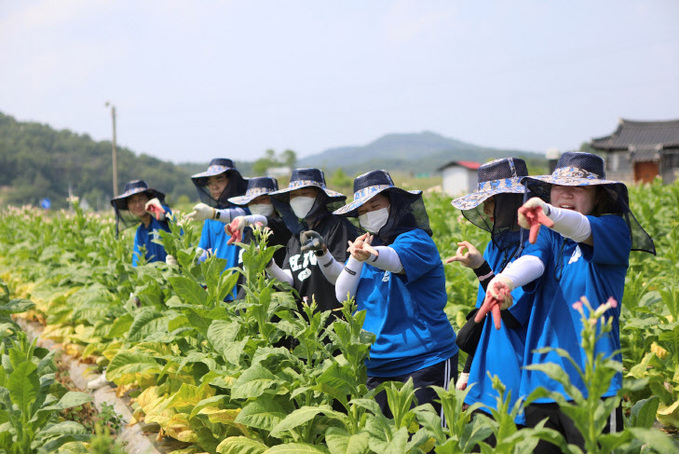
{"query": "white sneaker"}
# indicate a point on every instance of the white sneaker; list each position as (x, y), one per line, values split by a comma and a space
(97, 382)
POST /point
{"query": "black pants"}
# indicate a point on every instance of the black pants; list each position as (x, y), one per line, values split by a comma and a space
(560, 422)
(441, 374)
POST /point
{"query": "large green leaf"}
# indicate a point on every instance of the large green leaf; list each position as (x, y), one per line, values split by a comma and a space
(241, 445)
(297, 448)
(644, 411)
(147, 321)
(341, 442)
(23, 385)
(297, 418)
(16, 306)
(222, 333)
(188, 290)
(262, 413)
(128, 362)
(69, 400)
(253, 382)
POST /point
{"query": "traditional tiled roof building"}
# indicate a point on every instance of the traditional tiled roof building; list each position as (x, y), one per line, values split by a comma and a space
(641, 151)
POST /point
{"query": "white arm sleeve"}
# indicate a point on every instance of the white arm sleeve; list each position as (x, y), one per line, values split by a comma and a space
(330, 267)
(570, 223)
(387, 260)
(347, 281)
(226, 215)
(523, 270)
(277, 272)
(252, 219)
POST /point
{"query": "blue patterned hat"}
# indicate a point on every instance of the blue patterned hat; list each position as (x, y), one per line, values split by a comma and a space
(256, 186)
(307, 177)
(574, 169)
(367, 186)
(501, 176)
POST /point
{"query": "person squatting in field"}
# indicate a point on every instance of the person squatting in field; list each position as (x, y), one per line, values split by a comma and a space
(396, 275)
(140, 204)
(498, 352)
(215, 186)
(585, 252)
(306, 204)
(264, 215)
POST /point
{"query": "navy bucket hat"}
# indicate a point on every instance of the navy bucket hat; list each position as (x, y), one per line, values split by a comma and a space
(216, 167)
(135, 187)
(370, 184)
(307, 177)
(501, 176)
(257, 186)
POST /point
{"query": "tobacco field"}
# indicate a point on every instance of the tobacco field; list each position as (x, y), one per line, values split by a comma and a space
(216, 376)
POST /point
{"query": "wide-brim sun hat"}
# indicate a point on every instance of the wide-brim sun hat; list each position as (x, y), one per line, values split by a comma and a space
(135, 187)
(304, 178)
(257, 186)
(370, 184)
(217, 166)
(501, 176)
(573, 169)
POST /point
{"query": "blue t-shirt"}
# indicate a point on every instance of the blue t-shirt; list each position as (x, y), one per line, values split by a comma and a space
(405, 311)
(573, 270)
(214, 237)
(144, 237)
(499, 352)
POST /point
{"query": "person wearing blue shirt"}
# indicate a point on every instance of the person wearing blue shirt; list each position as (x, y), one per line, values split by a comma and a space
(396, 275)
(215, 186)
(585, 252)
(139, 203)
(492, 352)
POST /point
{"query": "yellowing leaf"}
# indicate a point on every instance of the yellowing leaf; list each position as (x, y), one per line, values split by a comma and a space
(179, 428)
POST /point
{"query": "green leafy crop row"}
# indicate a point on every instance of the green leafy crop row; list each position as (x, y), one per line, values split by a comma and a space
(257, 376)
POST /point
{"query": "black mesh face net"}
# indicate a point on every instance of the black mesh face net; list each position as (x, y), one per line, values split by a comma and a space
(237, 186)
(124, 218)
(322, 207)
(406, 212)
(498, 216)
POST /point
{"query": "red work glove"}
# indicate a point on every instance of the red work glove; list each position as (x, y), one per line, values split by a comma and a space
(235, 229)
(154, 207)
(532, 214)
(498, 297)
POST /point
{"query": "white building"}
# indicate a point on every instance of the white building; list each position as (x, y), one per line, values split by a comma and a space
(459, 177)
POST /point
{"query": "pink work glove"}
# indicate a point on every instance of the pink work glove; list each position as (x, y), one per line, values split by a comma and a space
(498, 297)
(532, 214)
(154, 207)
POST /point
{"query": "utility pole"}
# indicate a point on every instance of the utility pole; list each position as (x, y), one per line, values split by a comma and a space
(115, 160)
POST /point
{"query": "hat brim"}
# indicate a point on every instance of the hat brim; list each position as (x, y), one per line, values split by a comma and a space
(243, 200)
(284, 194)
(120, 202)
(541, 184)
(504, 186)
(201, 178)
(351, 209)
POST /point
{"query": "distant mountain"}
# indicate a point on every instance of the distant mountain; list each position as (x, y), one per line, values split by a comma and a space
(40, 162)
(415, 153)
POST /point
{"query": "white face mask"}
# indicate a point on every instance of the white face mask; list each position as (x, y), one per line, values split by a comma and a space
(373, 221)
(263, 209)
(302, 205)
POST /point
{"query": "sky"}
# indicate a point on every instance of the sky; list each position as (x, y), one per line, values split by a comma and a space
(195, 80)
